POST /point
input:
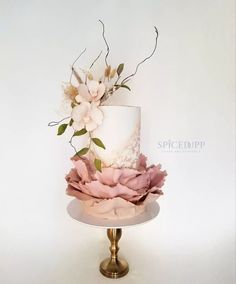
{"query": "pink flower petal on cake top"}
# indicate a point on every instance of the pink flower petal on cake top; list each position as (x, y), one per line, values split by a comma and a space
(82, 170)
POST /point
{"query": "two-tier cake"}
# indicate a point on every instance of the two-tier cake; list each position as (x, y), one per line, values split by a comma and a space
(110, 176)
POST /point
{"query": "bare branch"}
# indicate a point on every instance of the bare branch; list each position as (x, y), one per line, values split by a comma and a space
(137, 67)
(95, 60)
(55, 123)
(82, 52)
(71, 144)
(103, 35)
(77, 76)
(72, 67)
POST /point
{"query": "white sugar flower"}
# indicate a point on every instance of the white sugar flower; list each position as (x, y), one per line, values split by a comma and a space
(86, 115)
(90, 92)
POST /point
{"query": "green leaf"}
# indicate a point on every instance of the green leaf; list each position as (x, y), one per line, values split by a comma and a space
(126, 87)
(82, 152)
(122, 86)
(80, 132)
(98, 164)
(120, 69)
(71, 121)
(98, 142)
(61, 129)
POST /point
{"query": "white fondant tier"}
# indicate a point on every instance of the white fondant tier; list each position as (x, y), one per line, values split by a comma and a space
(120, 133)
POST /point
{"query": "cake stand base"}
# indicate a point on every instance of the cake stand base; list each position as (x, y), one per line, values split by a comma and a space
(114, 267)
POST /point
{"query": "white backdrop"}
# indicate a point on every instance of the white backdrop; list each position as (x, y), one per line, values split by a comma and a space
(186, 93)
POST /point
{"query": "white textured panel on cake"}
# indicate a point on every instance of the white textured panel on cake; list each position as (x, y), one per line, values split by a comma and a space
(120, 133)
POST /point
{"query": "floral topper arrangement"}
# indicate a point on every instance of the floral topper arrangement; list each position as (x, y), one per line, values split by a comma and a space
(87, 94)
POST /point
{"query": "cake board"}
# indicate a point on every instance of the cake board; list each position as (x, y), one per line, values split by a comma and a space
(113, 266)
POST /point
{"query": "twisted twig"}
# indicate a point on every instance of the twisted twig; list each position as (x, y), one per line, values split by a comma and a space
(72, 67)
(103, 35)
(70, 142)
(136, 70)
(95, 60)
(55, 123)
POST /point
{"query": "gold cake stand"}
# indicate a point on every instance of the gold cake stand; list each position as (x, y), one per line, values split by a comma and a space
(113, 266)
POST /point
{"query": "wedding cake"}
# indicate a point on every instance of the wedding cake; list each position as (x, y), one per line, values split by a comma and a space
(110, 177)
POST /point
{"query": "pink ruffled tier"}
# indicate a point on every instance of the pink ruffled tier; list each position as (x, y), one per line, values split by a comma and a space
(115, 193)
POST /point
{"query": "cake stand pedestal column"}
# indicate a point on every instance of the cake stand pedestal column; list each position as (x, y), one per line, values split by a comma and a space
(114, 267)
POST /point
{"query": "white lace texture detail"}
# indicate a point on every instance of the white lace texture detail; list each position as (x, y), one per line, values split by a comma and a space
(128, 154)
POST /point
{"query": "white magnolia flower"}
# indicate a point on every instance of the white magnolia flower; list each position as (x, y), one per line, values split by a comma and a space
(90, 92)
(86, 115)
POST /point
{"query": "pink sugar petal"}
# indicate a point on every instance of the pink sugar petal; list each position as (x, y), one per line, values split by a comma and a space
(144, 194)
(111, 176)
(142, 191)
(82, 170)
(116, 208)
(157, 176)
(70, 191)
(88, 162)
(99, 190)
(84, 188)
(124, 192)
(74, 184)
(108, 176)
(155, 189)
(142, 163)
(72, 176)
(141, 181)
(134, 186)
(127, 174)
(151, 197)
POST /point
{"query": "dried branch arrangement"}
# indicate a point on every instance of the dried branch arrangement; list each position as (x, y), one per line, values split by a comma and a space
(88, 94)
